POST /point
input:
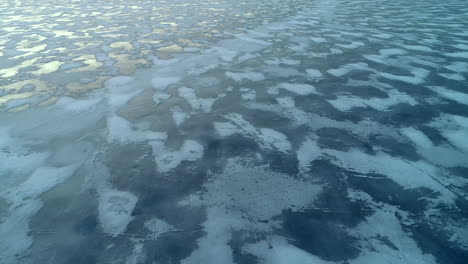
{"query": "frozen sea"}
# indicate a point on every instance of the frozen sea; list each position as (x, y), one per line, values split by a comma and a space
(220, 132)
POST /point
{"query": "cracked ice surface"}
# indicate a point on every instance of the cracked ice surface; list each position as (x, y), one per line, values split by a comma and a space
(293, 131)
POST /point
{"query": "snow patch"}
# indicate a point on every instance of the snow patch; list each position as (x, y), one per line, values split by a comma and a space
(115, 209)
(167, 159)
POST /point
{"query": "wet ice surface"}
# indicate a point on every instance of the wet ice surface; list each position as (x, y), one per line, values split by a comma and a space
(219, 132)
